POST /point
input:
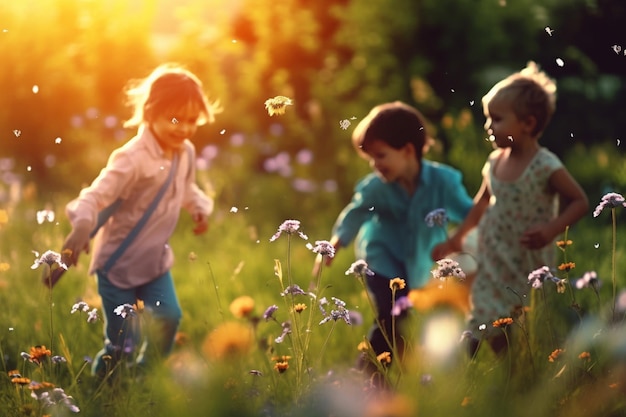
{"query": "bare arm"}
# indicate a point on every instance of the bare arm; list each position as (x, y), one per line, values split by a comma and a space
(455, 243)
(573, 206)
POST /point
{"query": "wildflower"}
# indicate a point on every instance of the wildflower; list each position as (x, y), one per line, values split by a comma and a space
(37, 354)
(354, 317)
(92, 316)
(340, 313)
(563, 243)
(269, 312)
(230, 339)
(80, 306)
(359, 269)
(323, 247)
(45, 216)
(384, 358)
(125, 310)
(426, 379)
(584, 356)
(363, 346)
(589, 279)
(561, 286)
(58, 359)
(255, 372)
(286, 325)
(401, 304)
(49, 258)
(281, 366)
(567, 266)
(397, 284)
(555, 354)
(503, 322)
(242, 306)
(299, 308)
(17, 378)
(56, 396)
(538, 276)
(338, 302)
(466, 401)
(447, 268)
(610, 200)
(290, 227)
(437, 217)
(293, 290)
(466, 335)
(277, 105)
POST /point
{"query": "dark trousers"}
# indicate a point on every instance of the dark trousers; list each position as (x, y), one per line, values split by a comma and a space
(378, 286)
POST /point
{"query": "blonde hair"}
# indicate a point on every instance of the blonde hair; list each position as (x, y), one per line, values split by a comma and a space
(531, 94)
(168, 88)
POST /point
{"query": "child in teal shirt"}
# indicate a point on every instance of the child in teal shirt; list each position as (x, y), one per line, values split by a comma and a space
(386, 217)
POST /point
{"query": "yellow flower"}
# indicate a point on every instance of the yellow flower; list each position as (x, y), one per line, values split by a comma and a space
(4, 266)
(384, 358)
(397, 284)
(503, 322)
(277, 105)
(555, 355)
(242, 306)
(4, 217)
(230, 339)
(299, 308)
(568, 266)
(364, 346)
(139, 306)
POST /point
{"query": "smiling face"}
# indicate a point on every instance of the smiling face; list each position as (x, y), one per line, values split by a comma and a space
(173, 127)
(391, 164)
(503, 125)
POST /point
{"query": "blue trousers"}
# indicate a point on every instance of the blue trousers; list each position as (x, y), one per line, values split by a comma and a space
(123, 336)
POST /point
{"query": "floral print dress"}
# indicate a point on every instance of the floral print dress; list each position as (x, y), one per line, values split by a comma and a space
(503, 263)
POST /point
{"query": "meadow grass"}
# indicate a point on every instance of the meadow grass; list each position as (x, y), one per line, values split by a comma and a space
(561, 361)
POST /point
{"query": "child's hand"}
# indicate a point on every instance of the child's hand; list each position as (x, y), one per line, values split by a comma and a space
(202, 223)
(75, 243)
(535, 237)
(443, 249)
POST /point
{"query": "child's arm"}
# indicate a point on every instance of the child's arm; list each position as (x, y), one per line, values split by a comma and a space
(455, 242)
(573, 206)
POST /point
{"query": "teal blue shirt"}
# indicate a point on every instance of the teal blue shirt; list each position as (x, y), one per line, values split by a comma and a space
(388, 224)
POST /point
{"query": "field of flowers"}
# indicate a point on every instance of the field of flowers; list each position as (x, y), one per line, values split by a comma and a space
(262, 336)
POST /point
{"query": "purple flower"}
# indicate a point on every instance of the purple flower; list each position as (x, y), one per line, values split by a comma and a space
(610, 200)
(80, 306)
(589, 279)
(49, 258)
(269, 312)
(55, 396)
(323, 247)
(286, 325)
(447, 268)
(359, 269)
(293, 290)
(538, 276)
(92, 316)
(401, 304)
(290, 227)
(125, 310)
(437, 217)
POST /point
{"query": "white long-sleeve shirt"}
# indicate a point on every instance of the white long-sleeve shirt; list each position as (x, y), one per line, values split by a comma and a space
(135, 172)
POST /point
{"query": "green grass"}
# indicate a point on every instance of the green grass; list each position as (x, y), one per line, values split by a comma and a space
(236, 258)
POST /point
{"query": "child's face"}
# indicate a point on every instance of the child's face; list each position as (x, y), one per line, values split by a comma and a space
(171, 130)
(390, 163)
(502, 124)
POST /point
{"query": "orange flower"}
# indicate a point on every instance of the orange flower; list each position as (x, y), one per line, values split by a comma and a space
(242, 306)
(466, 401)
(37, 353)
(563, 243)
(281, 366)
(567, 266)
(584, 356)
(230, 339)
(503, 322)
(555, 354)
(364, 346)
(397, 284)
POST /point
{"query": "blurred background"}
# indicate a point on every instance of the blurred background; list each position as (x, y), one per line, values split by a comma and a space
(65, 64)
